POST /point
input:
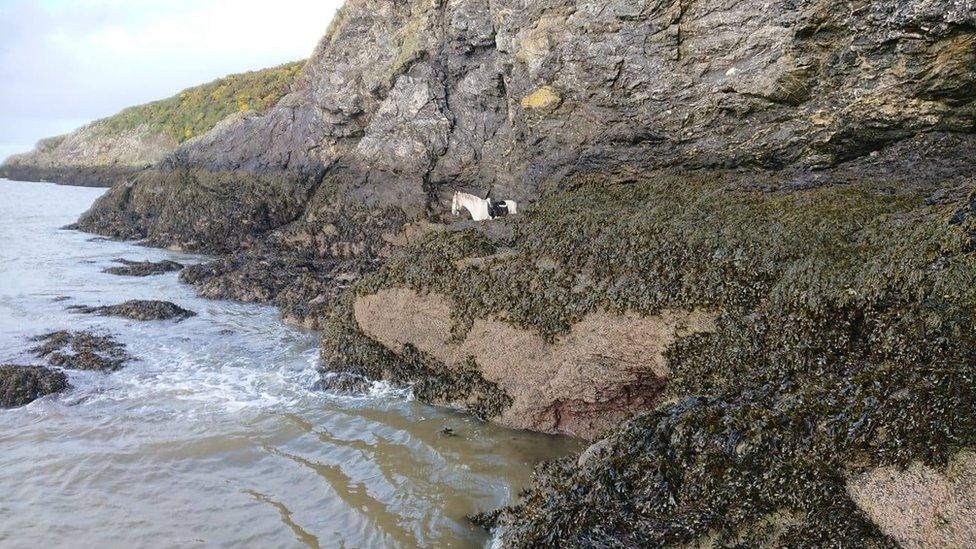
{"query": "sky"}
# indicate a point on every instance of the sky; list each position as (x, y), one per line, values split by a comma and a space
(64, 63)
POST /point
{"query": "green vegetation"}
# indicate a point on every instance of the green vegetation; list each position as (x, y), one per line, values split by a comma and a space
(196, 111)
(845, 341)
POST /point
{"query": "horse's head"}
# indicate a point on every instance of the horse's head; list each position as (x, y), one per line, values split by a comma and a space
(455, 204)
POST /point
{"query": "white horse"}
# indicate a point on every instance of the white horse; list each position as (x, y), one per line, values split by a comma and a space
(482, 208)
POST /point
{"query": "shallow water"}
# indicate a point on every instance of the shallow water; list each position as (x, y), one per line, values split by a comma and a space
(216, 436)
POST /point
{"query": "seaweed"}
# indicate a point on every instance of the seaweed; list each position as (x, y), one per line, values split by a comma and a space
(844, 342)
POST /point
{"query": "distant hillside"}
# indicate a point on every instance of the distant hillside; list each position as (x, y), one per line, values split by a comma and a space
(196, 111)
(111, 149)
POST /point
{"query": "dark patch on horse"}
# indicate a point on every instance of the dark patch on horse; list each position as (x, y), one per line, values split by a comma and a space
(497, 208)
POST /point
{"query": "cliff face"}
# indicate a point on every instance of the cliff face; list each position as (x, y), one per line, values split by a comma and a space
(117, 148)
(404, 101)
(751, 226)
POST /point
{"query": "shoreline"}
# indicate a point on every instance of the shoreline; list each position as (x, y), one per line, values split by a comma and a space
(71, 176)
(185, 381)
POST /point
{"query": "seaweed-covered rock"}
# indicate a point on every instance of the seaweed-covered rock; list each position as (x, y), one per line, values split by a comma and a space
(138, 309)
(302, 268)
(303, 289)
(81, 351)
(343, 383)
(843, 339)
(20, 385)
(823, 234)
(143, 268)
(347, 351)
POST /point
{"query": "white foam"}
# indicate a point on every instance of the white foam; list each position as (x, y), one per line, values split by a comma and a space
(386, 390)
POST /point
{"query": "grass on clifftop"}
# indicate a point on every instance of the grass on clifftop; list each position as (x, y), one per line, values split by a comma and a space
(197, 110)
(845, 342)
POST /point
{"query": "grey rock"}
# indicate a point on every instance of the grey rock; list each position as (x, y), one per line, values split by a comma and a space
(91, 156)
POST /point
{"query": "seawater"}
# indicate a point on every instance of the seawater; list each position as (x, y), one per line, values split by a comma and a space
(215, 436)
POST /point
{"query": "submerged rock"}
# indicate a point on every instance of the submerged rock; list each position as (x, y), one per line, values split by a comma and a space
(138, 309)
(343, 383)
(487, 520)
(143, 268)
(81, 351)
(21, 385)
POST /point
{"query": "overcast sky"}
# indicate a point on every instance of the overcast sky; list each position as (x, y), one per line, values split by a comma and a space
(64, 63)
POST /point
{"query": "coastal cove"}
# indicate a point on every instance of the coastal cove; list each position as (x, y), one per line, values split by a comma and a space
(217, 431)
(732, 305)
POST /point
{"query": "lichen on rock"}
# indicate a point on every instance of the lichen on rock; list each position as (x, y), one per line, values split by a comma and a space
(544, 99)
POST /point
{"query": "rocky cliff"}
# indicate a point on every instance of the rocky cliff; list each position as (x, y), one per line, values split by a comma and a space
(117, 148)
(750, 230)
(404, 101)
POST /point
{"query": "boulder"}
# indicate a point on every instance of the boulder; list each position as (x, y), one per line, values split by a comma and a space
(606, 367)
(21, 385)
